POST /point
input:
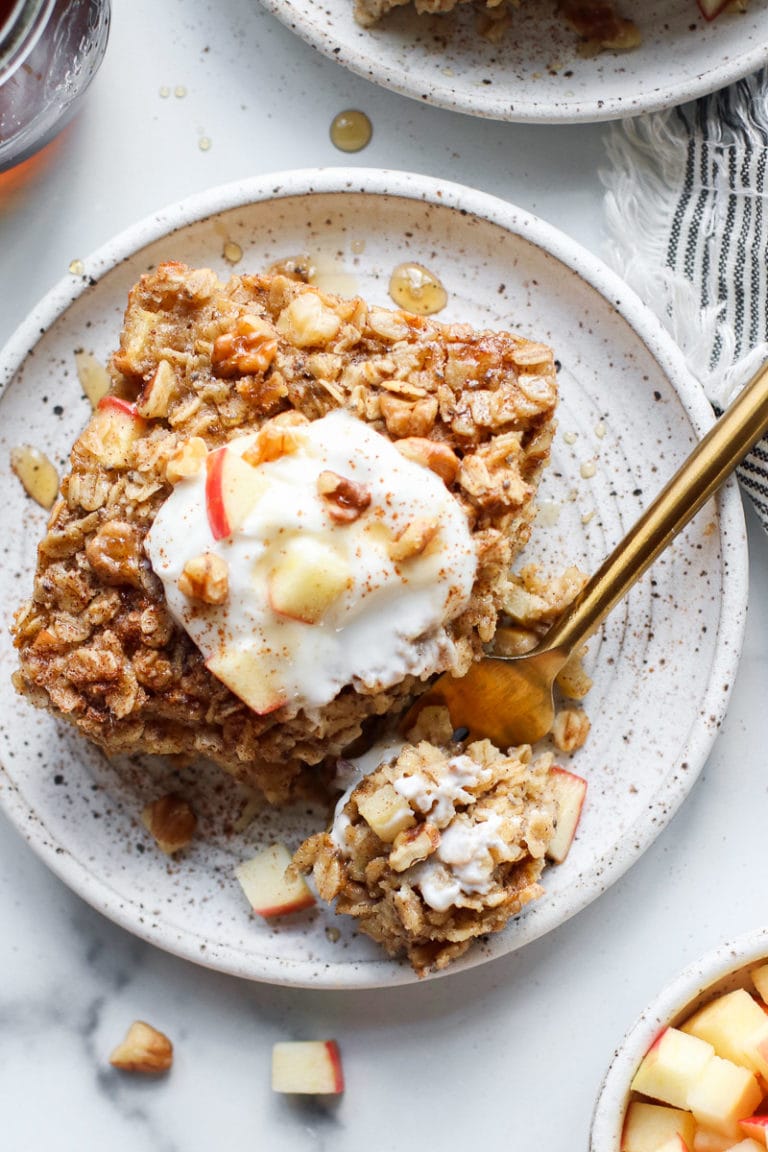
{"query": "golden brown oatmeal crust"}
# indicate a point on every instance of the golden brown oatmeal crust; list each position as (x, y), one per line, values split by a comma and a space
(201, 361)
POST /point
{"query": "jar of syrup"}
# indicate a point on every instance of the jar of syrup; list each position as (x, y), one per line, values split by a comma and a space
(50, 51)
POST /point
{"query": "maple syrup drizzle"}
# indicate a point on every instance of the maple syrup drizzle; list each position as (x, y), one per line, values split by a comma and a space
(351, 130)
(415, 289)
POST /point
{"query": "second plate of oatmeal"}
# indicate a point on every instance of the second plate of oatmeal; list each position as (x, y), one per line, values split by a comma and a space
(526, 61)
(627, 416)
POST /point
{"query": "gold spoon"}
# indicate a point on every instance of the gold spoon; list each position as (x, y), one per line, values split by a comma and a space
(509, 699)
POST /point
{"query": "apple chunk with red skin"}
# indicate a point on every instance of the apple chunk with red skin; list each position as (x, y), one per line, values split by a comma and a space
(232, 489)
(671, 1066)
(723, 1094)
(272, 886)
(756, 1127)
(650, 1126)
(307, 1066)
(569, 791)
(113, 429)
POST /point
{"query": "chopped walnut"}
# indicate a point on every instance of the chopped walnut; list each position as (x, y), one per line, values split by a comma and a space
(205, 578)
(345, 499)
(573, 680)
(405, 418)
(144, 1050)
(171, 821)
(438, 457)
(413, 540)
(187, 460)
(114, 553)
(570, 729)
(278, 437)
(250, 348)
(413, 845)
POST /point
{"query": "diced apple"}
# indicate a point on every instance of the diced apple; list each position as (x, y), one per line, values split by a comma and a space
(676, 1144)
(671, 1066)
(704, 1140)
(756, 1127)
(156, 395)
(712, 8)
(232, 490)
(111, 432)
(309, 577)
(569, 792)
(759, 978)
(273, 887)
(307, 1066)
(386, 812)
(723, 1094)
(649, 1126)
(736, 1027)
(236, 669)
(746, 1146)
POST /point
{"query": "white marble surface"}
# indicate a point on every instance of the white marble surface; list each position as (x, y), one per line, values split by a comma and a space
(508, 1056)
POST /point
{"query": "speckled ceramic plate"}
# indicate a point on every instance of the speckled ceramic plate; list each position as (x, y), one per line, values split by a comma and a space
(536, 72)
(629, 414)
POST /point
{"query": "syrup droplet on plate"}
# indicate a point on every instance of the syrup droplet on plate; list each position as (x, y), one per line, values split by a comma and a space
(76, 267)
(298, 268)
(37, 474)
(232, 252)
(93, 376)
(415, 289)
(351, 130)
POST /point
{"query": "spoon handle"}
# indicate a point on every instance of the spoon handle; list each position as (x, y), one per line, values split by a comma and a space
(708, 466)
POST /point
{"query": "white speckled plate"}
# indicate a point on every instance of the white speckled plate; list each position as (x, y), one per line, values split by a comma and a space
(629, 414)
(536, 72)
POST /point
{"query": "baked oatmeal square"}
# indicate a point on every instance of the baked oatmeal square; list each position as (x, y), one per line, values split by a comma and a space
(234, 410)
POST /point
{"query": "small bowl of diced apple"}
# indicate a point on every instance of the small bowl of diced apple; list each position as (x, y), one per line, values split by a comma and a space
(691, 1075)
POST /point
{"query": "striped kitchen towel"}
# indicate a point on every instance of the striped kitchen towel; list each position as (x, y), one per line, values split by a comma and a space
(688, 230)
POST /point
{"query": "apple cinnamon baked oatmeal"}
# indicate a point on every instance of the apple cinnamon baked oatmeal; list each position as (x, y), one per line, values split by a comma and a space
(288, 514)
(596, 22)
(438, 846)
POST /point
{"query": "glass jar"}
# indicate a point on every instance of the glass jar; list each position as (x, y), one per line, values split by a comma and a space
(50, 51)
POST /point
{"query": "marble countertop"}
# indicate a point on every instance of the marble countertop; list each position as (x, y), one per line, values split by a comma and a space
(508, 1055)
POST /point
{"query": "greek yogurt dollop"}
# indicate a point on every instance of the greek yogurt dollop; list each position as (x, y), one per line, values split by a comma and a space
(317, 588)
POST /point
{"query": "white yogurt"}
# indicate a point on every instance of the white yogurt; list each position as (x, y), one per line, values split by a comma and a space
(463, 863)
(387, 623)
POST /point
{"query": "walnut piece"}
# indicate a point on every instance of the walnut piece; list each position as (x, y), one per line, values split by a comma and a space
(413, 540)
(205, 578)
(345, 499)
(144, 1050)
(278, 437)
(438, 457)
(570, 729)
(250, 348)
(187, 460)
(114, 553)
(171, 821)
(413, 845)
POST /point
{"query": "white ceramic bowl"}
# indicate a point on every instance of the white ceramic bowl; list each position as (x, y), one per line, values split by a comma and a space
(725, 968)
